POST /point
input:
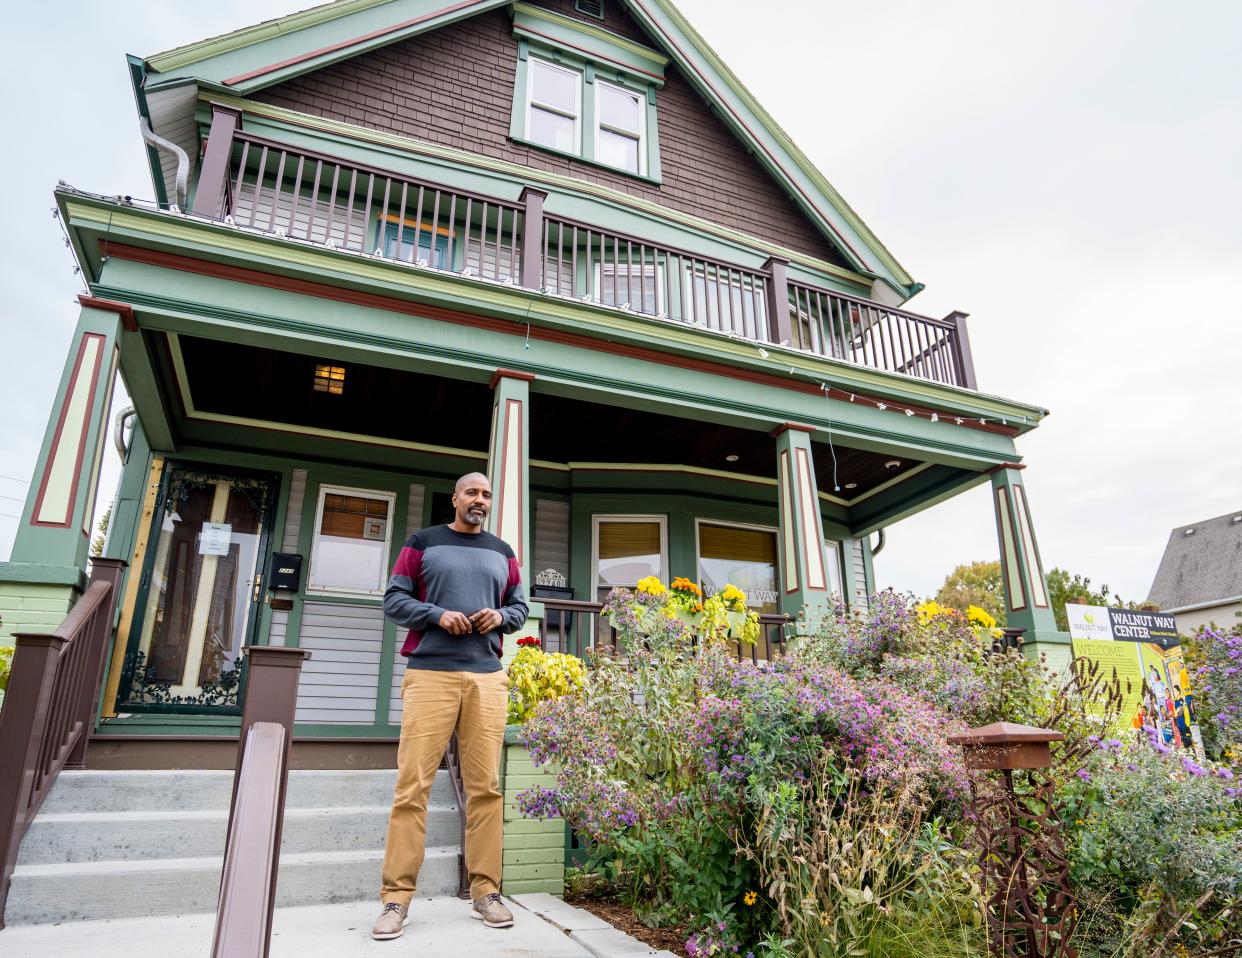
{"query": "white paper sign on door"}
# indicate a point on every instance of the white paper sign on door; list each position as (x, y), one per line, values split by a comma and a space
(215, 539)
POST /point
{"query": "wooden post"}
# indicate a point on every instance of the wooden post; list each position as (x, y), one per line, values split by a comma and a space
(87, 707)
(532, 237)
(214, 173)
(779, 328)
(964, 360)
(23, 726)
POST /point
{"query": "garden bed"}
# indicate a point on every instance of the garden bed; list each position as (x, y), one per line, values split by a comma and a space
(622, 917)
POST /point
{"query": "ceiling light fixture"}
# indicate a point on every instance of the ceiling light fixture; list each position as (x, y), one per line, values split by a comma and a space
(731, 457)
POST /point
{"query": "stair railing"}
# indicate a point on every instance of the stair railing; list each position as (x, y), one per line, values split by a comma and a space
(50, 708)
(257, 813)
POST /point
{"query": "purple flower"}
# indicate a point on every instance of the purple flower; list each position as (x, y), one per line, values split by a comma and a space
(1224, 773)
(1083, 774)
(1194, 768)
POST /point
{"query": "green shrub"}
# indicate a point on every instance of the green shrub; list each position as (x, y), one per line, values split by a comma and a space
(6, 666)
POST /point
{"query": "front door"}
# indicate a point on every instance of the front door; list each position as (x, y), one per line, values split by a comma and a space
(198, 603)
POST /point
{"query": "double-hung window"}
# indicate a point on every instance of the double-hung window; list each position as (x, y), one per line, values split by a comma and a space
(554, 109)
(620, 127)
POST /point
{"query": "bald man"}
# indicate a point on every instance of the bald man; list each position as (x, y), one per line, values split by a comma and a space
(458, 590)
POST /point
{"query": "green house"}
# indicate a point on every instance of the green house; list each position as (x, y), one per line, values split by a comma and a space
(554, 241)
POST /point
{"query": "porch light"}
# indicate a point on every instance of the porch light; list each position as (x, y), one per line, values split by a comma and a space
(851, 485)
(731, 457)
(330, 379)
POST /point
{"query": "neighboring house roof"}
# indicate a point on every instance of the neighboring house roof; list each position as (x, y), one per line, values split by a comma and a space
(1201, 566)
(256, 57)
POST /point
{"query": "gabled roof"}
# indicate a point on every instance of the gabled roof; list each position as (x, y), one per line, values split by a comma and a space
(1202, 564)
(263, 55)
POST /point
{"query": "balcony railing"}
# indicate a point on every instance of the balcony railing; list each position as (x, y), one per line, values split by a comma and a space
(262, 184)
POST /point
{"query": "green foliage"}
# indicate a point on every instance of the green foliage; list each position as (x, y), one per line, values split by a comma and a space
(978, 584)
(1140, 817)
(6, 666)
(101, 532)
(536, 676)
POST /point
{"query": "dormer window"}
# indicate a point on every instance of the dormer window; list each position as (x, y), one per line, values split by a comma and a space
(585, 92)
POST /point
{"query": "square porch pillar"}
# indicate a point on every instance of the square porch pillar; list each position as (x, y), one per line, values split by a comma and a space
(804, 584)
(46, 571)
(508, 468)
(1028, 605)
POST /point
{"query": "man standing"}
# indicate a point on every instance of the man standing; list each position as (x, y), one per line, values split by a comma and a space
(457, 589)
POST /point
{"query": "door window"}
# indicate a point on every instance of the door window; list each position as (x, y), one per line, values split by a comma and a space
(201, 591)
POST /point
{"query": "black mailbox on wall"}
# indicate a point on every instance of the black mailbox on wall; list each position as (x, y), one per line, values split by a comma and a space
(286, 572)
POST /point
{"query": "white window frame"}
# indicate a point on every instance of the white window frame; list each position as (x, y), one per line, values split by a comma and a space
(698, 547)
(660, 271)
(642, 126)
(324, 492)
(531, 102)
(833, 545)
(604, 517)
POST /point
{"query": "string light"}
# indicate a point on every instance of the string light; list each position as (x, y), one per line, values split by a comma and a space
(930, 416)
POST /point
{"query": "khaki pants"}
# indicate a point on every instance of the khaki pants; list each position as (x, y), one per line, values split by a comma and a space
(437, 703)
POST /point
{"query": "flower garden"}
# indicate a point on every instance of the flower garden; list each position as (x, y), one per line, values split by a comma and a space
(814, 806)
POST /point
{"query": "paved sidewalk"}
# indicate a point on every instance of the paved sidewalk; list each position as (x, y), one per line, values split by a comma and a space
(439, 928)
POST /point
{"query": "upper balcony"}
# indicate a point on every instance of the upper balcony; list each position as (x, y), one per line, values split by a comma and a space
(262, 184)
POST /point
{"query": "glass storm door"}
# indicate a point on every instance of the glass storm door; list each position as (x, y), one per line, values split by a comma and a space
(200, 593)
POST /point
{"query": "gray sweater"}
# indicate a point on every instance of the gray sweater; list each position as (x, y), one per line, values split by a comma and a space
(441, 570)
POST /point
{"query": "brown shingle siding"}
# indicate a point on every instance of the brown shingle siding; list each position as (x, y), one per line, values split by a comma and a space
(455, 87)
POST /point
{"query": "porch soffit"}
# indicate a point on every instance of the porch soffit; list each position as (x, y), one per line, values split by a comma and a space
(197, 246)
(260, 56)
(235, 384)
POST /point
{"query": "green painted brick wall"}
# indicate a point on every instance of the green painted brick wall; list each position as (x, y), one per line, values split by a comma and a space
(534, 855)
(32, 607)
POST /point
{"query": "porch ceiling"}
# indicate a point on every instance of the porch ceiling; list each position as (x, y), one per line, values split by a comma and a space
(226, 382)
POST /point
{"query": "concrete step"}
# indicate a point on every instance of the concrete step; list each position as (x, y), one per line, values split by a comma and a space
(67, 837)
(196, 791)
(42, 894)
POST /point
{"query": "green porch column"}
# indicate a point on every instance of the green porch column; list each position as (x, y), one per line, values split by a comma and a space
(508, 467)
(46, 571)
(805, 575)
(1027, 602)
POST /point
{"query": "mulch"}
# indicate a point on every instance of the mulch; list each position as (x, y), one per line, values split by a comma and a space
(621, 917)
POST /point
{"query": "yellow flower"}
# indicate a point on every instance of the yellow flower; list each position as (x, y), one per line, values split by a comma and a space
(750, 898)
(651, 586)
(978, 616)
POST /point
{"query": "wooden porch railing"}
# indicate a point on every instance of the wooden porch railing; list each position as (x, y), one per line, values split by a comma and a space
(277, 188)
(49, 711)
(859, 331)
(576, 627)
(257, 813)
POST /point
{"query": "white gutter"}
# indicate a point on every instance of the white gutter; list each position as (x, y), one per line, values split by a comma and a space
(183, 161)
(1204, 605)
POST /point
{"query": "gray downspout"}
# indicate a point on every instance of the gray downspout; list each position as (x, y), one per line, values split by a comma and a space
(183, 161)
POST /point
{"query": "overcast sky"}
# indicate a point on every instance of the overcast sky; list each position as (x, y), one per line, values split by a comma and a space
(1068, 173)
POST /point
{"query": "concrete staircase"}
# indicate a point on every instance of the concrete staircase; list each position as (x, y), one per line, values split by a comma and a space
(143, 843)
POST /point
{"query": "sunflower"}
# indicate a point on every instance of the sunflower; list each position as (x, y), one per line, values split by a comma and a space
(750, 897)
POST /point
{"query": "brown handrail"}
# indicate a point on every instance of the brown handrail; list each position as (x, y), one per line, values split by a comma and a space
(49, 712)
(243, 918)
(257, 813)
(563, 629)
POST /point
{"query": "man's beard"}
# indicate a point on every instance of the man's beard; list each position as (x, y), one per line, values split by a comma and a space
(474, 517)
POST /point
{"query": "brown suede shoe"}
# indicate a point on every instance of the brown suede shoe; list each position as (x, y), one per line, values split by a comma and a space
(492, 911)
(391, 922)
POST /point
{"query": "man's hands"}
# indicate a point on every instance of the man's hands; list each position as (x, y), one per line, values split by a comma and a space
(486, 620)
(458, 623)
(455, 623)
